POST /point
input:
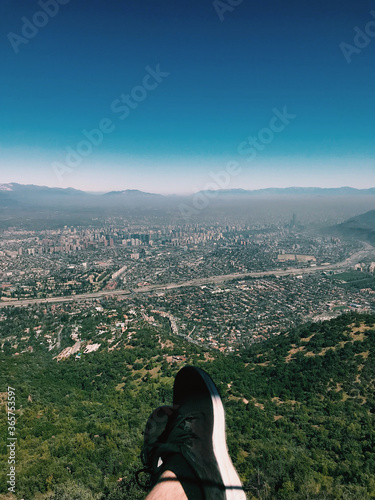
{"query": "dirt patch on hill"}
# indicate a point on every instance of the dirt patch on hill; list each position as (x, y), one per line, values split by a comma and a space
(307, 339)
(208, 357)
(3, 398)
(362, 328)
(325, 349)
(359, 332)
(293, 351)
(258, 405)
(279, 401)
(168, 343)
(359, 336)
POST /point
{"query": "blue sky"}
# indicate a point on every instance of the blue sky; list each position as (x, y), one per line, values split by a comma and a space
(221, 72)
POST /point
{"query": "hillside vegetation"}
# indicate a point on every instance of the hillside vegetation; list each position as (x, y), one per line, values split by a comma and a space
(300, 412)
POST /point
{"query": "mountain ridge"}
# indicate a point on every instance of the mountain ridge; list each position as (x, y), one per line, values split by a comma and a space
(345, 190)
(361, 226)
(14, 187)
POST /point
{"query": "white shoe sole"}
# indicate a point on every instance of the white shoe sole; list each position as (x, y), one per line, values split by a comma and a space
(231, 480)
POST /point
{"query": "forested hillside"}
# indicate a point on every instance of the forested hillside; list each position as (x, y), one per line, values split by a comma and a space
(300, 411)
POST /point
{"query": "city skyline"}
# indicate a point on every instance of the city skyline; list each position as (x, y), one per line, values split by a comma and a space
(163, 97)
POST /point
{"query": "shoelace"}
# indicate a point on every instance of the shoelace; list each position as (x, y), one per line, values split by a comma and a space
(144, 485)
(177, 433)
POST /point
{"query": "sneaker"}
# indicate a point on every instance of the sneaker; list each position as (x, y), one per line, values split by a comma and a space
(189, 439)
(196, 429)
(150, 455)
(160, 454)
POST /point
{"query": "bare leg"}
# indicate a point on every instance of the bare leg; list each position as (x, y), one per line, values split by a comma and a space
(169, 489)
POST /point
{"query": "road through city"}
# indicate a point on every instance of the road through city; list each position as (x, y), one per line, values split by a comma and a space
(349, 262)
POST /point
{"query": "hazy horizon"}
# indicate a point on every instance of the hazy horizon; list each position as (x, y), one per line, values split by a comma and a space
(119, 189)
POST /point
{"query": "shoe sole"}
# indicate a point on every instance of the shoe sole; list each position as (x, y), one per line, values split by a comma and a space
(231, 480)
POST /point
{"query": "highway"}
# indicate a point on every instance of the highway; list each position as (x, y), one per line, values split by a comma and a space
(350, 261)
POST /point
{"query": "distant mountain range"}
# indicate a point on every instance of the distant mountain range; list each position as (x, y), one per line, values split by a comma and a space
(20, 198)
(312, 191)
(23, 196)
(15, 190)
(132, 193)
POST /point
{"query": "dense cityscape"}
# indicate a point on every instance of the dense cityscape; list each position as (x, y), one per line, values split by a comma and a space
(223, 285)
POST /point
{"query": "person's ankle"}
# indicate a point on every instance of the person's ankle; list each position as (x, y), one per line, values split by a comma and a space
(176, 467)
